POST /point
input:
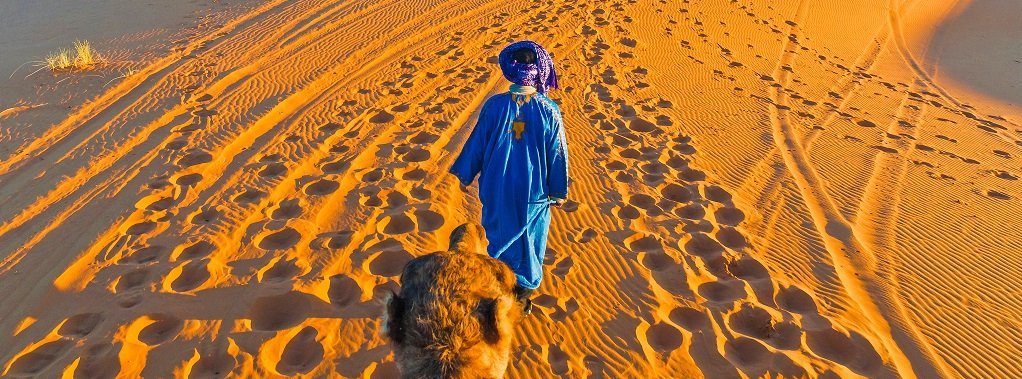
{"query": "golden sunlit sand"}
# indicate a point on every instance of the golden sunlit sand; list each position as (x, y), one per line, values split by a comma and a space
(760, 188)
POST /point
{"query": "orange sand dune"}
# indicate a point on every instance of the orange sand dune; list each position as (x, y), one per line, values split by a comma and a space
(794, 189)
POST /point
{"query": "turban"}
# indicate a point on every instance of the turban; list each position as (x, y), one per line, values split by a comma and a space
(540, 74)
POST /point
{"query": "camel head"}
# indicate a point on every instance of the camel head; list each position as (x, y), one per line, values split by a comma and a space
(455, 313)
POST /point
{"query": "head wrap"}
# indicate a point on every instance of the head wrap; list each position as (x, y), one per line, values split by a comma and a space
(540, 74)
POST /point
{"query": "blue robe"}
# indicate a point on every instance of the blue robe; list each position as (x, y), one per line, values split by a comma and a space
(517, 178)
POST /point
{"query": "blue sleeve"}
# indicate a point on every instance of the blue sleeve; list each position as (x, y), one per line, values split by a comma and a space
(470, 161)
(557, 179)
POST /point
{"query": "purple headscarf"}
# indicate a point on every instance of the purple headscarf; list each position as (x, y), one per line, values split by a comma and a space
(540, 74)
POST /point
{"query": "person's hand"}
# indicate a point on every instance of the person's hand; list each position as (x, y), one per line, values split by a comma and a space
(556, 201)
(464, 187)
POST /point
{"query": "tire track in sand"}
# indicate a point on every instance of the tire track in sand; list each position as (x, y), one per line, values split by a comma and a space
(854, 262)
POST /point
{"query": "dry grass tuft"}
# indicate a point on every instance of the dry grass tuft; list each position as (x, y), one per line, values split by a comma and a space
(59, 60)
(85, 56)
(82, 57)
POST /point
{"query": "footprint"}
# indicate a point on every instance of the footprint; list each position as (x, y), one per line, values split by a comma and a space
(703, 246)
(998, 195)
(644, 243)
(160, 330)
(283, 269)
(340, 149)
(204, 217)
(335, 167)
(131, 280)
(424, 137)
(396, 199)
(283, 239)
(794, 299)
(719, 292)
(677, 163)
(140, 228)
(615, 165)
(729, 216)
(1005, 175)
(731, 238)
(339, 239)
(787, 336)
(690, 319)
(570, 206)
(279, 312)
(248, 197)
(718, 194)
(286, 210)
(188, 180)
(752, 321)
(718, 266)
(158, 205)
(642, 201)
(370, 201)
(653, 169)
(330, 127)
(627, 212)
(585, 235)
(144, 255)
(99, 361)
(415, 174)
(630, 153)
(563, 267)
(389, 262)
(558, 361)
(189, 276)
(343, 290)
(595, 365)
(641, 126)
(691, 212)
(39, 358)
(428, 220)
(302, 354)
(79, 325)
(692, 175)
(177, 144)
(664, 338)
(215, 365)
(194, 158)
(396, 224)
(657, 261)
(373, 176)
(205, 112)
(200, 249)
(684, 149)
(273, 169)
(676, 193)
(420, 193)
(381, 117)
(747, 269)
(417, 155)
(322, 187)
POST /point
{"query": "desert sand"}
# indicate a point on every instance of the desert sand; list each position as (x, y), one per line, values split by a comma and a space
(760, 188)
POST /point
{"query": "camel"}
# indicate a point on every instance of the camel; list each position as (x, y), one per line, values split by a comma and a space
(455, 312)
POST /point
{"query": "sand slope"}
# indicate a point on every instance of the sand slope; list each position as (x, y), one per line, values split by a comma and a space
(779, 188)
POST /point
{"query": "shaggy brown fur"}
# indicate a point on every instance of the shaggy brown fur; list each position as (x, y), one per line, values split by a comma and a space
(454, 315)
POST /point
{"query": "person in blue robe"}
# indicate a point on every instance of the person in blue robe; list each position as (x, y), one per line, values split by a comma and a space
(519, 151)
